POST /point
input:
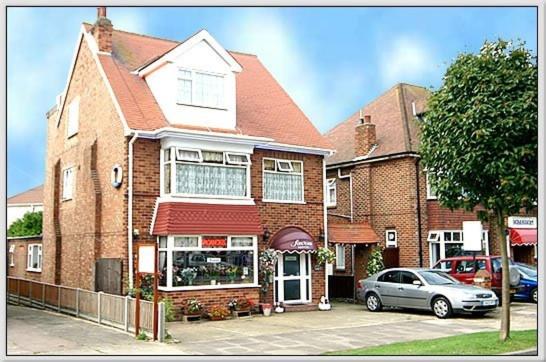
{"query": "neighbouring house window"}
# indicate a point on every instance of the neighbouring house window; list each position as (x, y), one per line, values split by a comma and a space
(34, 261)
(194, 262)
(206, 173)
(11, 255)
(331, 197)
(73, 117)
(431, 191)
(391, 238)
(449, 243)
(68, 183)
(283, 180)
(200, 88)
(340, 256)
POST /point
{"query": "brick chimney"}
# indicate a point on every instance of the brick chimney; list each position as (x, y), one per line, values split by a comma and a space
(364, 135)
(102, 31)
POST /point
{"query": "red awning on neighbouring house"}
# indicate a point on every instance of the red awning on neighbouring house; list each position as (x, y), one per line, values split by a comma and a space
(523, 236)
(182, 218)
(358, 233)
(293, 239)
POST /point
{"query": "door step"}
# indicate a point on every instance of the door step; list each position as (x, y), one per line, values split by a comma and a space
(300, 307)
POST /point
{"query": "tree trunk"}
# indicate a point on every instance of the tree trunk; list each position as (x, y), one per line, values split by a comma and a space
(505, 316)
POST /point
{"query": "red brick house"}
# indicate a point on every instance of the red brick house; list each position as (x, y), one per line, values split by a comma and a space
(378, 193)
(189, 146)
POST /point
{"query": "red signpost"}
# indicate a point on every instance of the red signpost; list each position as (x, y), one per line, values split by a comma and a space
(146, 263)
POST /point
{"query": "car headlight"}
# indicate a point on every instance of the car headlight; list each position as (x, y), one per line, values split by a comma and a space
(469, 296)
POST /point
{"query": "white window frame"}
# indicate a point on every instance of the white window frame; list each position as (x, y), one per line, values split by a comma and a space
(331, 184)
(29, 258)
(193, 88)
(278, 171)
(180, 158)
(340, 256)
(389, 244)
(440, 239)
(11, 255)
(174, 161)
(73, 117)
(228, 155)
(68, 195)
(170, 249)
(430, 196)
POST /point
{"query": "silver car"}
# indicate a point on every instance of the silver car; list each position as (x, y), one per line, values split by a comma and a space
(424, 289)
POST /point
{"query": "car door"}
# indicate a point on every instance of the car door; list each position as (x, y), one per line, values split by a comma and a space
(387, 285)
(409, 294)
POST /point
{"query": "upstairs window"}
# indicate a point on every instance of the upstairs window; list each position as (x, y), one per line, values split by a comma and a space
(200, 89)
(68, 183)
(34, 261)
(431, 191)
(206, 173)
(331, 192)
(283, 180)
(73, 117)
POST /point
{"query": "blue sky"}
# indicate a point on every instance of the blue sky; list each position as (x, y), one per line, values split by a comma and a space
(330, 60)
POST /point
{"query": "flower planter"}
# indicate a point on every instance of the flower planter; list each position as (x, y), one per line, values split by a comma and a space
(216, 318)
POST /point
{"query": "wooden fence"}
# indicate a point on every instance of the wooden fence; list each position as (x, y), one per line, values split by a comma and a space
(108, 309)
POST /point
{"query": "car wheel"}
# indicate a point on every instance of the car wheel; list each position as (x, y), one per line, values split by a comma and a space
(441, 307)
(373, 303)
(534, 295)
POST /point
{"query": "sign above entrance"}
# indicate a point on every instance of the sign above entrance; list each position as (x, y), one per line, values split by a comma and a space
(522, 222)
(293, 239)
(472, 235)
(214, 242)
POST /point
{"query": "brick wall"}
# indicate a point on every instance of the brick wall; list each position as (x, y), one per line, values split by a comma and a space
(93, 223)
(20, 254)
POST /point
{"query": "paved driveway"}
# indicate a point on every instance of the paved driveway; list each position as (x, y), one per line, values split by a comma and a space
(33, 331)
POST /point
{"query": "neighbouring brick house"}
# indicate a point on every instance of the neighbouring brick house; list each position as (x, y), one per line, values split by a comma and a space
(377, 193)
(189, 146)
(26, 201)
(24, 257)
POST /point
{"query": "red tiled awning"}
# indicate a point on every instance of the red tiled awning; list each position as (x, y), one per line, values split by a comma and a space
(293, 239)
(181, 218)
(361, 233)
(523, 236)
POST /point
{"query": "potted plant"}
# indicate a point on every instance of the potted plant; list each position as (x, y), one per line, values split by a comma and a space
(324, 256)
(193, 307)
(218, 312)
(231, 273)
(189, 274)
(266, 309)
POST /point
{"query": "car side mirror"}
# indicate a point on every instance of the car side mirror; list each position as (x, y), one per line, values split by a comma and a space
(417, 282)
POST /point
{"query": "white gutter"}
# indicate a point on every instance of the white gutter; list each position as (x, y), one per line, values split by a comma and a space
(350, 177)
(130, 210)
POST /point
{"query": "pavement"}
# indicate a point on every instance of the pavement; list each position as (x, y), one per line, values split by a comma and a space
(297, 333)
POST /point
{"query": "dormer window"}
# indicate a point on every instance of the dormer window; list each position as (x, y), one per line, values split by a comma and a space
(198, 88)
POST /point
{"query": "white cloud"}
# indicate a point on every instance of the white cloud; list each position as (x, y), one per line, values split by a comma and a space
(321, 95)
(128, 19)
(406, 59)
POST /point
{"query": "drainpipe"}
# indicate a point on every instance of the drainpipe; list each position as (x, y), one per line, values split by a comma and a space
(130, 210)
(419, 233)
(325, 221)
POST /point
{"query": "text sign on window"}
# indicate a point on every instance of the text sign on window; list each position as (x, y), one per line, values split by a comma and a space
(146, 259)
(472, 235)
(214, 242)
(214, 260)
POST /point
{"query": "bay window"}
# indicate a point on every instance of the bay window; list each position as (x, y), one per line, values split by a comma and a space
(282, 180)
(189, 172)
(449, 243)
(200, 88)
(204, 262)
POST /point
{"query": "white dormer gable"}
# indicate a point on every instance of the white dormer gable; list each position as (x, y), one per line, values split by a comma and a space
(194, 83)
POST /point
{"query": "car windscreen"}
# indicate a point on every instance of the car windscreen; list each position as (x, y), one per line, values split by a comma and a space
(434, 277)
(527, 271)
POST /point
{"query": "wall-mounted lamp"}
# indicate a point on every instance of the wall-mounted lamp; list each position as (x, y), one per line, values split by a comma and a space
(136, 233)
(321, 234)
(267, 234)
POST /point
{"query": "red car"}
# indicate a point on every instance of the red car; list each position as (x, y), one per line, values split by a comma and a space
(464, 268)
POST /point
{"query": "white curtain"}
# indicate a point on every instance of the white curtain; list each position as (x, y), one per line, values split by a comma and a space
(210, 180)
(283, 187)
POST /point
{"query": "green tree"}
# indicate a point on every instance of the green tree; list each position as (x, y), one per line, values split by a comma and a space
(29, 225)
(480, 139)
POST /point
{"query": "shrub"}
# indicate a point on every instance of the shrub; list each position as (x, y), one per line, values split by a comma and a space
(375, 261)
(29, 225)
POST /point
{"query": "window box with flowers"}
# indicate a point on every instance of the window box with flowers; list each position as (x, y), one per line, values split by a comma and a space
(218, 313)
(192, 308)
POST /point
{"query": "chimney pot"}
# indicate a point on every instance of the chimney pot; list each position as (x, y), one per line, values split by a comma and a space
(101, 12)
(367, 119)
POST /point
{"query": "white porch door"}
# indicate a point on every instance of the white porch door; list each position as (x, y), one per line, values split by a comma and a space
(293, 278)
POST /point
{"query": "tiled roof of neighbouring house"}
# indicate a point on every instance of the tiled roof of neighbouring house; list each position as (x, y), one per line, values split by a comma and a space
(396, 128)
(32, 196)
(264, 109)
(358, 233)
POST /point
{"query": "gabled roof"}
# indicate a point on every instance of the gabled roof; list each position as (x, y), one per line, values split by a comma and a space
(32, 196)
(264, 109)
(396, 128)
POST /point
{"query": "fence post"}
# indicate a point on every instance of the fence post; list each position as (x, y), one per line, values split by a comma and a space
(126, 313)
(30, 291)
(77, 302)
(59, 299)
(98, 307)
(161, 322)
(18, 291)
(43, 296)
